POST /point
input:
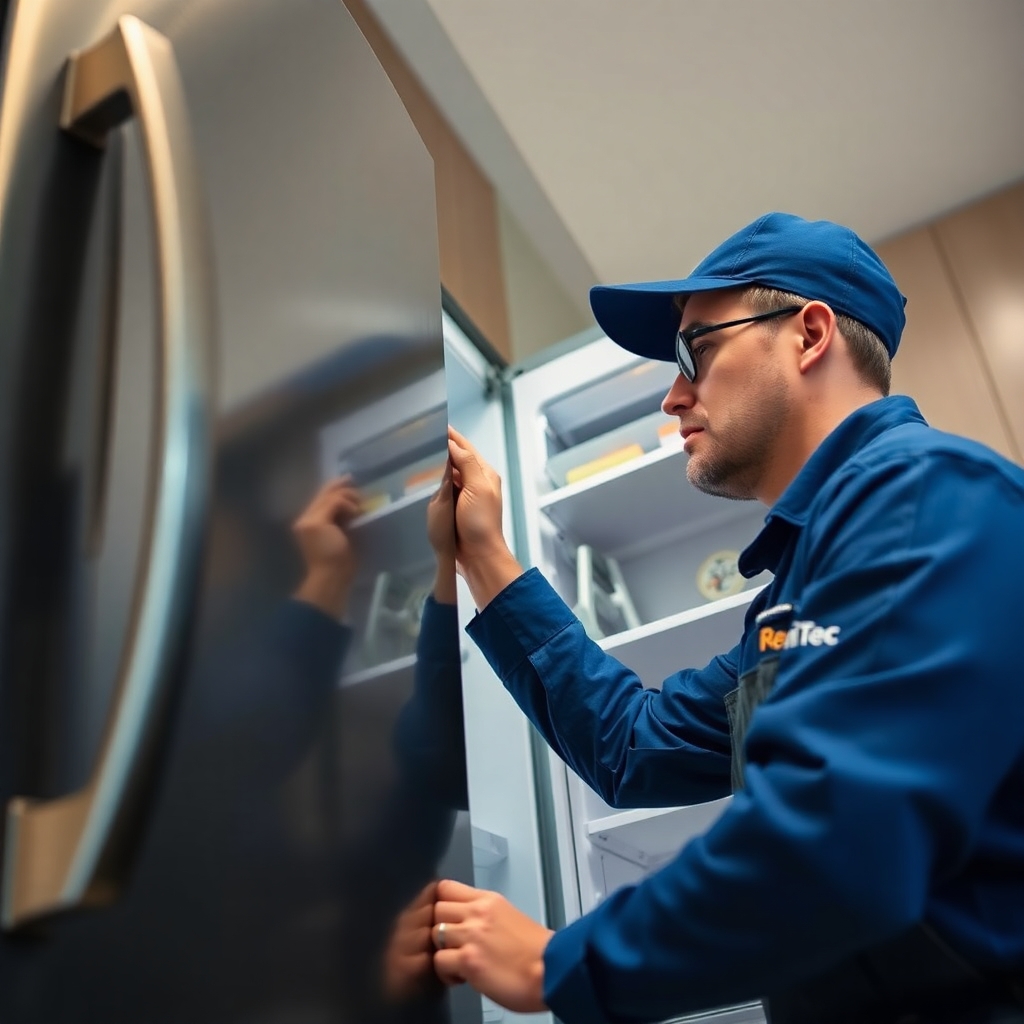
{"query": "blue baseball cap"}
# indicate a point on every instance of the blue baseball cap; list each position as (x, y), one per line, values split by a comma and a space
(813, 258)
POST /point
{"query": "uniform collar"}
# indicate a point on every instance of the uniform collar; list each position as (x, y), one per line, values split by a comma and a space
(790, 512)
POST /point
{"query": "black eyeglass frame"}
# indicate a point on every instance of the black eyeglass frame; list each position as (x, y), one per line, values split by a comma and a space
(685, 359)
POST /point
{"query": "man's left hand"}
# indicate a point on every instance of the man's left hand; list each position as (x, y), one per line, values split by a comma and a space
(491, 945)
(325, 547)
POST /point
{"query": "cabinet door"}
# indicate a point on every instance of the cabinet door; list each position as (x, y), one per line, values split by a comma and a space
(939, 363)
(984, 247)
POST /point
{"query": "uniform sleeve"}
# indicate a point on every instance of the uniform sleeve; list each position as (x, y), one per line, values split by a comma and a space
(430, 735)
(264, 695)
(634, 746)
(869, 767)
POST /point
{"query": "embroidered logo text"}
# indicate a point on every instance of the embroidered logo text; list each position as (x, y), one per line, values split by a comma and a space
(800, 634)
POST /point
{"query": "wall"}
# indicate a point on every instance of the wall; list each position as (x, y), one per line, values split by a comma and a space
(962, 354)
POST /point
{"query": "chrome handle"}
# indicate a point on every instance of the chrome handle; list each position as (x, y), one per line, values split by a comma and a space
(73, 851)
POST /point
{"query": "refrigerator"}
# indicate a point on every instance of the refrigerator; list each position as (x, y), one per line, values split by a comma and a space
(596, 496)
(218, 290)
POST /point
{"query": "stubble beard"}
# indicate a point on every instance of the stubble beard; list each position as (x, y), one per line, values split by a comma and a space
(736, 456)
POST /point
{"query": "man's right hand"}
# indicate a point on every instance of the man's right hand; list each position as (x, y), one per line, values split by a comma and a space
(478, 501)
(483, 557)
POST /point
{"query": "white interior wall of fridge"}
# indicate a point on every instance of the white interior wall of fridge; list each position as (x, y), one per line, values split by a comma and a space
(502, 785)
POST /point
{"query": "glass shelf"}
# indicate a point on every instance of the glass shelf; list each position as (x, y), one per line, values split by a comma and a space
(395, 535)
(689, 638)
(645, 497)
(386, 670)
(649, 838)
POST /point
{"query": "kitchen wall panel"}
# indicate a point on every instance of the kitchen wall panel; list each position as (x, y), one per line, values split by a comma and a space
(962, 355)
(939, 363)
(983, 246)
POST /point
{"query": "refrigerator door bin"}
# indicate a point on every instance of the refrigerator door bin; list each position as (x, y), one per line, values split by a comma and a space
(602, 405)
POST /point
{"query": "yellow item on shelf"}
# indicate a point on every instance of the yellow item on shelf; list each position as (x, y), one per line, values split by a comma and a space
(372, 502)
(615, 458)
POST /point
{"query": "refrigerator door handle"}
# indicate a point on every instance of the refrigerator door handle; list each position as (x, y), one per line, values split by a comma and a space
(74, 850)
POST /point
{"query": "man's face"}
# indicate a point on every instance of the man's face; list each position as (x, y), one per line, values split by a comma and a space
(733, 415)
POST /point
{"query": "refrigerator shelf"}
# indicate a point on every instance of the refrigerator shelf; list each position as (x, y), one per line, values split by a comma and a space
(744, 1013)
(376, 673)
(654, 432)
(394, 535)
(689, 638)
(393, 508)
(649, 838)
(644, 498)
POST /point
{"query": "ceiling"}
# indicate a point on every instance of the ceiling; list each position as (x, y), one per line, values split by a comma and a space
(629, 137)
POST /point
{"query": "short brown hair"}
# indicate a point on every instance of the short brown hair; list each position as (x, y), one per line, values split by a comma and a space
(870, 357)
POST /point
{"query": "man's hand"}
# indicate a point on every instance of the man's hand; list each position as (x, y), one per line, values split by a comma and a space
(491, 945)
(441, 534)
(408, 970)
(483, 556)
(325, 547)
(478, 511)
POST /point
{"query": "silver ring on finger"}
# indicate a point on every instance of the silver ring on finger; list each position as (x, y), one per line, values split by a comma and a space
(440, 941)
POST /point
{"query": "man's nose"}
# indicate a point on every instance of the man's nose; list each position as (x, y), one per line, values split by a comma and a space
(680, 396)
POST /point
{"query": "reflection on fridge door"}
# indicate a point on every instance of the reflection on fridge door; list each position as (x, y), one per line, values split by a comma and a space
(218, 802)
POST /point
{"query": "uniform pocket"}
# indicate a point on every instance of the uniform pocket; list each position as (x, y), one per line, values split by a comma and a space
(740, 705)
(754, 686)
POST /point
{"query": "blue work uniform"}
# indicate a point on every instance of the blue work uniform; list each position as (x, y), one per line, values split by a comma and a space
(870, 723)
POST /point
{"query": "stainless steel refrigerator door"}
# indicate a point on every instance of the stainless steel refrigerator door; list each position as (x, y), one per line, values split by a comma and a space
(281, 839)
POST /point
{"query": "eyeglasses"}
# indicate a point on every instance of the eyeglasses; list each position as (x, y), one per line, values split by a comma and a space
(684, 339)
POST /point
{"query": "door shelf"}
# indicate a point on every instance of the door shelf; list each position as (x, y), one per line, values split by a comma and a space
(649, 838)
(385, 671)
(396, 534)
(645, 497)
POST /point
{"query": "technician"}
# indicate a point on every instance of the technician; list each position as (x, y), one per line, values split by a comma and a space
(870, 721)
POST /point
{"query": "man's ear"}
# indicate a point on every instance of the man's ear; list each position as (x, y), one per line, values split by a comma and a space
(818, 324)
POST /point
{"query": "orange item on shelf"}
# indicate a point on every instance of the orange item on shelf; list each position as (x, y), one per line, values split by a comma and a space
(668, 435)
(425, 476)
